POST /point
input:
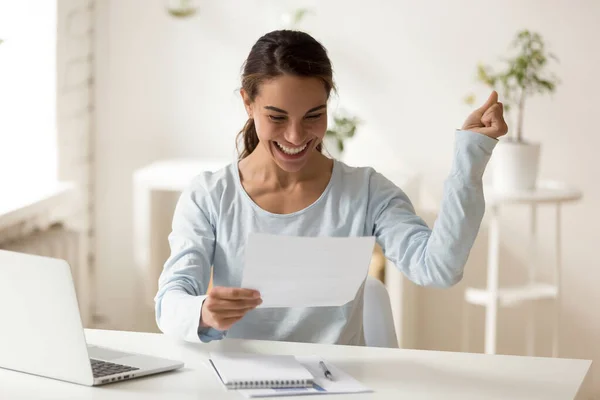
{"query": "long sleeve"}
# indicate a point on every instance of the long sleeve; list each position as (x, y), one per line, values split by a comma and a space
(437, 256)
(186, 274)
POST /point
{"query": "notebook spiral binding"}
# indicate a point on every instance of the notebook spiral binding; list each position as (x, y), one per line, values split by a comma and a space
(277, 384)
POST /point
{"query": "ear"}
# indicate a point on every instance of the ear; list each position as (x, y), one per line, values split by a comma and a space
(247, 102)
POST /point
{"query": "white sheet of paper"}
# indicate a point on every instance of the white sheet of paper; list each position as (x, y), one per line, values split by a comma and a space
(294, 271)
(342, 382)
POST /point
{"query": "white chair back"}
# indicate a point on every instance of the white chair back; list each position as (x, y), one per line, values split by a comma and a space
(378, 320)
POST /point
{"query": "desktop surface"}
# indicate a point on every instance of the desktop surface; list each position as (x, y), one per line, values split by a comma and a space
(391, 373)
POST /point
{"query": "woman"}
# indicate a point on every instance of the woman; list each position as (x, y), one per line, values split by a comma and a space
(283, 184)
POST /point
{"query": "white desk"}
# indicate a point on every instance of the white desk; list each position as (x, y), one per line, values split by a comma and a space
(391, 373)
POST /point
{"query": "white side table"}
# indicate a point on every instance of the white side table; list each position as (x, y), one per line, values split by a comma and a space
(493, 296)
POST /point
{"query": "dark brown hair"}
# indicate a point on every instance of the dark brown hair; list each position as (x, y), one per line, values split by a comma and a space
(283, 52)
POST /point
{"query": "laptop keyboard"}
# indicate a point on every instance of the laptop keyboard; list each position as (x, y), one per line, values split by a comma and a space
(105, 368)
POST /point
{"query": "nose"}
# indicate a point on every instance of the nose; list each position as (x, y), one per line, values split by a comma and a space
(295, 134)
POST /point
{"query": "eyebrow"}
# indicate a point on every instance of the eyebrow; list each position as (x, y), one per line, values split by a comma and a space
(279, 110)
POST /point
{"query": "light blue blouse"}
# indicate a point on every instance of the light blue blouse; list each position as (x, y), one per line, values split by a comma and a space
(214, 216)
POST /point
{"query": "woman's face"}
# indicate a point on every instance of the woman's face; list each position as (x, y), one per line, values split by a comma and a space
(290, 116)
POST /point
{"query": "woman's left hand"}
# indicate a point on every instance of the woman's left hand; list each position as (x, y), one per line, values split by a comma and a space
(488, 119)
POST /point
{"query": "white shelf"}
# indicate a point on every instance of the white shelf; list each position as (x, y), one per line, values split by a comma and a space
(511, 296)
(25, 202)
(175, 174)
(547, 191)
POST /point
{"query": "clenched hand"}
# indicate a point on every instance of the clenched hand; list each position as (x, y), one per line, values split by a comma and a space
(488, 119)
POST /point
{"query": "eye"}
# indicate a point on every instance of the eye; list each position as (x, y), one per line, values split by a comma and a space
(314, 116)
(277, 118)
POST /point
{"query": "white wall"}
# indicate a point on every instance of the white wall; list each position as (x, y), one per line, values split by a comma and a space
(27, 88)
(166, 88)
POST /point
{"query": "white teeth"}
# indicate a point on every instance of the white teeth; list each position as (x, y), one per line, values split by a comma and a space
(291, 151)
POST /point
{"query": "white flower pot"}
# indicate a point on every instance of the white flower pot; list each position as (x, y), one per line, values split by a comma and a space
(515, 166)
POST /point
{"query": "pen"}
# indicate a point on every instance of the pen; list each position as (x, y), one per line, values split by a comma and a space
(326, 371)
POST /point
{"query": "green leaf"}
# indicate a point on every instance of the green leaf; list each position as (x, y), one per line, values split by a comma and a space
(344, 127)
(544, 85)
(299, 15)
(484, 74)
(470, 99)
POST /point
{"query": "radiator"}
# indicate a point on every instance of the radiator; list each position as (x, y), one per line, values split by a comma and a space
(57, 241)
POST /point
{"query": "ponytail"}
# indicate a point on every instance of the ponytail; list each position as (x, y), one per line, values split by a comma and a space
(249, 139)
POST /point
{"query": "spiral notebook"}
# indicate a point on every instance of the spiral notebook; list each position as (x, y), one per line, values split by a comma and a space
(256, 371)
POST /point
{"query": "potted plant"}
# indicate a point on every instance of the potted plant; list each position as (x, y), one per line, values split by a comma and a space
(516, 160)
(343, 128)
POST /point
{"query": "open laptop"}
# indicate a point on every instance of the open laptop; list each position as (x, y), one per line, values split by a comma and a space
(41, 331)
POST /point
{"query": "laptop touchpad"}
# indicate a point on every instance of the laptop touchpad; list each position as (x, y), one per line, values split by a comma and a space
(101, 353)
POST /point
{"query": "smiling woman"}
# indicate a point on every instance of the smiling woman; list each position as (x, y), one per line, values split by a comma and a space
(280, 120)
(280, 63)
(283, 184)
(290, 131)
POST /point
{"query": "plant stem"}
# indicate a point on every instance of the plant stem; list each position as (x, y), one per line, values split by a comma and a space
(520, 116)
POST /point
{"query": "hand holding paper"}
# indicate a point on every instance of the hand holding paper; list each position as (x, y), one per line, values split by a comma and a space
(225, 306)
